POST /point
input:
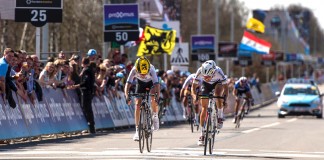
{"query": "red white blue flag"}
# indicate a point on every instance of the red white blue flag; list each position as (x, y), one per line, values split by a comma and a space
(254, 44)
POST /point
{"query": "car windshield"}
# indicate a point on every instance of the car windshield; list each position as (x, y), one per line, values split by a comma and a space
(296, 90)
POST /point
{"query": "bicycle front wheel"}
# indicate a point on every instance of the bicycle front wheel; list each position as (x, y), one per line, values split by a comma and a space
(207, 132)
(149, 131)
(212, 136)
(141, 130)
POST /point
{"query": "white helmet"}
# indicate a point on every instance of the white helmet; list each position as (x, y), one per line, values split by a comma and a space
(243, 79)
(208, 68)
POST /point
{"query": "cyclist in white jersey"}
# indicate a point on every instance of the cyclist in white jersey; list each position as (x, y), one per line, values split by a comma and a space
(144, 71)
(213, 79)
(185, 91)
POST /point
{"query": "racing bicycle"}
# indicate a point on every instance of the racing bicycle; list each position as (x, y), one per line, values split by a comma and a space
(211, 122)
(192, 120)
(145, 131)
(244, 107)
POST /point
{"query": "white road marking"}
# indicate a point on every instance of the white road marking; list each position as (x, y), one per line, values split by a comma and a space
(167, 153)
(270, 125)
(251, 130)
(171, 153)
(279, 151)
(291, 120)
(233, 150)
(258, 128)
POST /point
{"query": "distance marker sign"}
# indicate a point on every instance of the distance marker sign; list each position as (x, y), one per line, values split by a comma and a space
(39, 12)
(121, 23)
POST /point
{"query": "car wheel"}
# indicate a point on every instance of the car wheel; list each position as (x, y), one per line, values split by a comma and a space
(281, 116)
(319, 116)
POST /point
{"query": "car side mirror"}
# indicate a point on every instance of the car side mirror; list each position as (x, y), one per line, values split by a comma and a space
(277, 93)
(322, 94)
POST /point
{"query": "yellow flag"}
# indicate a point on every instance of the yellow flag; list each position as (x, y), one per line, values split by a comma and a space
(255, 25)
(156, 41)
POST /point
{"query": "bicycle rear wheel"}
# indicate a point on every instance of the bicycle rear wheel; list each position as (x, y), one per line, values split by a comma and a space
(149, 132)
(141, 130)
(207, 132)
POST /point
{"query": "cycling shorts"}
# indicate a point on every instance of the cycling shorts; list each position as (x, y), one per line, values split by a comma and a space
(141, 86)
(206, 88)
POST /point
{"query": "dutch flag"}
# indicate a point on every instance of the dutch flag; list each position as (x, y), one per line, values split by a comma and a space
(254, 44)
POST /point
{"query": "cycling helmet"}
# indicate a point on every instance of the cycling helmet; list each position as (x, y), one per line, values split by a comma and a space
(120, 75)
(92, 52)
(243, 79)
(208, 68)
(142, 65)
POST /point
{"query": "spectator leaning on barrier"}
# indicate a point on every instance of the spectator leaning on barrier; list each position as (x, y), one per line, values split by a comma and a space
(87, 90)
(47, 76)
(101, 80)
(10, 85)
(4, 64)
(15, 76)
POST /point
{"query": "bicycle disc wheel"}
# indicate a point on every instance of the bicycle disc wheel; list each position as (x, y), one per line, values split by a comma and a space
(149, 133)
(207, 131)
(141, 132)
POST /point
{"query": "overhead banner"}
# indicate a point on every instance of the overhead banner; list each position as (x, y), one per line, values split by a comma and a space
(227, 49)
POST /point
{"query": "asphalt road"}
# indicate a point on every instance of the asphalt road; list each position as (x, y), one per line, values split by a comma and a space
(261, 136)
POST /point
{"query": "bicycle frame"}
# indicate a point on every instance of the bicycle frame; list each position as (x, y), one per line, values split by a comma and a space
(210, 129)
(145, 122)
(191, 117)
(241, 111)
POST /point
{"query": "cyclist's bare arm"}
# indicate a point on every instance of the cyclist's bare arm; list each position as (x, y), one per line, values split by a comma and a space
(193, 88)
(126, 89)
(226, 90)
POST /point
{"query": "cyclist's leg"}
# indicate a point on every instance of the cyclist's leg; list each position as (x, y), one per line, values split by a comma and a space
(236, 107)
(165, 96)
(139, 89)
(219, 91)
(197, 108)
(184, 105)
(155, 109)
(206, 89)
(250, 101)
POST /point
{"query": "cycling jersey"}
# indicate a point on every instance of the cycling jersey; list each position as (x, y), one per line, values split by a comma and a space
(188, 82)
(218, 76)
(162, 84)
(241, 89)
(151, 76)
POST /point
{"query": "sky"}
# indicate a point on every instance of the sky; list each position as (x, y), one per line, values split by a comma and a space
(314, 5)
